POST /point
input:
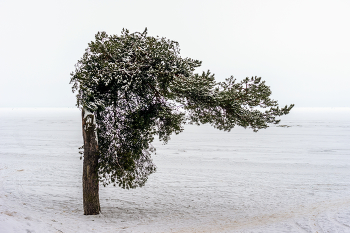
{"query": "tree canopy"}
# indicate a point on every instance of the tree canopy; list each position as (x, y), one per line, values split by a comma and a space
(138, 87)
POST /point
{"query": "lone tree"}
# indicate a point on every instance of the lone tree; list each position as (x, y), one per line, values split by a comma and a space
(133, 87)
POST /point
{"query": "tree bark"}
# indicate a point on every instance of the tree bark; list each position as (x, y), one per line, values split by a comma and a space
(91, 200)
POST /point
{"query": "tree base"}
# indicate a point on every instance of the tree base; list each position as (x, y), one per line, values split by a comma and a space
(91, 200)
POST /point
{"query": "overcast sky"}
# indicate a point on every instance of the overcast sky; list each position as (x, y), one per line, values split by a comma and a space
(301, 48)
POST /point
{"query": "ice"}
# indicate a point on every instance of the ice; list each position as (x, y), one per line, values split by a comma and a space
(293, 178)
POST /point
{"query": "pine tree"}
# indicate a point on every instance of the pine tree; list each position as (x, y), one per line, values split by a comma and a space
(134, 87)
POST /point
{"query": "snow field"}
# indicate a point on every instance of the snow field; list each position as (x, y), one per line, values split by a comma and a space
(282, 179)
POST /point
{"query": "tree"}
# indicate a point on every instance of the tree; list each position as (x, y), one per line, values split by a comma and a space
(134, 87)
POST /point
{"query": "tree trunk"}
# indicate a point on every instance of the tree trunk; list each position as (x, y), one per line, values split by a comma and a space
(90, 174)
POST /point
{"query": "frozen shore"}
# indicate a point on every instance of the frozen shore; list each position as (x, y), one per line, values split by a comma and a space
(293, 178)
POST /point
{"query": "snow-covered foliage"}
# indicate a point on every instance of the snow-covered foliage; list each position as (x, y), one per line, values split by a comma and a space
(138, 86)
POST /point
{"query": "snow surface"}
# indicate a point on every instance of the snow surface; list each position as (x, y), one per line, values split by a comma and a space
(282, 179)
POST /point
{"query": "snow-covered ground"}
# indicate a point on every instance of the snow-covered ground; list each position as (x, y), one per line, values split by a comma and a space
(283, 179)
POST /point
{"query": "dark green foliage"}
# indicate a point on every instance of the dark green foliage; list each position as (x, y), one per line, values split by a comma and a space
(138, 86)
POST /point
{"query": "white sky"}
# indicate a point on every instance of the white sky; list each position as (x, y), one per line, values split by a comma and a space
(301, 48)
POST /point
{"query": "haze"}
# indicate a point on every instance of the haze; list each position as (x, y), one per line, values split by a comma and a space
(301, 48)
